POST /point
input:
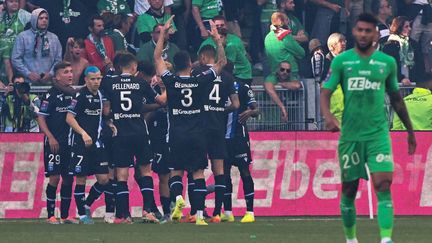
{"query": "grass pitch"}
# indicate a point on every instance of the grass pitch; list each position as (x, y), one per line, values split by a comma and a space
(265, 229)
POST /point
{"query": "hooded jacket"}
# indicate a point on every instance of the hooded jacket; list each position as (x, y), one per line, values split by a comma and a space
(23, 58)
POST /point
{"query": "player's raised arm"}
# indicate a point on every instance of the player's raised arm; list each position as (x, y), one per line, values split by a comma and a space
(221, 57)
(159, 62)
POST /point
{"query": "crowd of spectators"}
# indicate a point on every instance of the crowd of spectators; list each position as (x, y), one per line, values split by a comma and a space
(274, 39)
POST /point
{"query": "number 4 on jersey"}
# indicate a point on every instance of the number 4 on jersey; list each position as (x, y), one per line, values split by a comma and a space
(214, 94)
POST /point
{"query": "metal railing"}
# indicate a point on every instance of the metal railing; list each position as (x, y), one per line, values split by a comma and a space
(270, 114)
(302, 106)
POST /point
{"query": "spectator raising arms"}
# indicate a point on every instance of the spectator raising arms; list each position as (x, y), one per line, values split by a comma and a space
(37, 51)
(12, 22)
(280, 45)
(99, 49)
(405, 50)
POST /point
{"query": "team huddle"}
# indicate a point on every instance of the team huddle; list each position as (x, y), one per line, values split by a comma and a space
(147, 117)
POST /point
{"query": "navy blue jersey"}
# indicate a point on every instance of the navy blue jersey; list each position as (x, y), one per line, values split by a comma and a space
(54, 107)
(127, 97)
(186, 99)
(246, 97)
(87, 108)
(218, 92)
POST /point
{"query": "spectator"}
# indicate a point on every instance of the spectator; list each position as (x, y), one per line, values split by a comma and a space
(142, 6)
(37, 51)
(419, 106)
(113, 6)
(146, 52)
(282, 77)
(327, 19)
(287, 6)
(12, 22)
(18, 108)
(234, 49)
(383, 11)
(74, 50)
(99, 49)
(420, 13)
(280, 45)
(155, 15)
(122, 25)
(203, 11)
(405, 50)
(336, 44)
(181, 9)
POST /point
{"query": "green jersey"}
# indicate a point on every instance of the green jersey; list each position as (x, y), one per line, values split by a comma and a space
(294, 24)
(147, 22)
(208, 8)
(236, 53)
(364, 81)
(113, 6)
(268, 9)
(419, 106)
(10, 27)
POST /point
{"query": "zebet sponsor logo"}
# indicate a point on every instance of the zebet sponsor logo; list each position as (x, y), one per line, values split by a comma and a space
(362, 83)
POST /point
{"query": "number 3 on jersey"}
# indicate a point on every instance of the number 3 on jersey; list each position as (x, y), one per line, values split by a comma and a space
(126, 102)
(187, 100)
(214, 94)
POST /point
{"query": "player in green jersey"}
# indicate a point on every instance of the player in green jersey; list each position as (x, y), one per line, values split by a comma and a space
(365, 75)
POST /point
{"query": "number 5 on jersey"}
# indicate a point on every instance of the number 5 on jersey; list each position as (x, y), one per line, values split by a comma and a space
(126, 102)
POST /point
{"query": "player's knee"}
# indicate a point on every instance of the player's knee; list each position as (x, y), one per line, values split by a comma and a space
(67, 180)
(103, 180)
(198, 174)
(383, 185)
(244, 171)
(54, 180)
(81, 180)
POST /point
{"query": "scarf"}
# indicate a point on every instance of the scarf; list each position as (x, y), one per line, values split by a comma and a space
(9, 21)
(406, 53)
(45, 45)
(280, 32)
(100, 47)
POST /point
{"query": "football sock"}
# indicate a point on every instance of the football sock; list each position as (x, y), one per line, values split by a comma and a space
(385, 213)
(248, 189)
(219, 193)
(200, 192)
(122, 200)
(65, 196)
(176, 187)
(191, 194)
(110, 196)
(348, 213)
(228, 193)
(95, 192)
(51, 198)
(79, 195)
(146, 186)
(165, 201)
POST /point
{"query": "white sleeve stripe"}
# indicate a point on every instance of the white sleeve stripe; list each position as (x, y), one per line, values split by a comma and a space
(166, 72)
(42, 114)
(214, 72)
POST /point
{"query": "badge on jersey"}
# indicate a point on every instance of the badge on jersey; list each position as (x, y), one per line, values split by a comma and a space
(73, 104)
(44, 106)
(78, 169)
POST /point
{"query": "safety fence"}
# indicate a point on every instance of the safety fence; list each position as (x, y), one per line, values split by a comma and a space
(302, 106)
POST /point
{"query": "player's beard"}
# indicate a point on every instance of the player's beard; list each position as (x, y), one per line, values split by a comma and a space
(364, 48)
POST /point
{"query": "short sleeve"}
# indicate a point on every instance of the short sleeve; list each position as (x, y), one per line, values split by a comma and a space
(46, 106)
(167, 77)
(249, 94)
(197, 3)
(271, 79)
(206, 76)
(392, 80)
(77, 105)
(334, 75)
